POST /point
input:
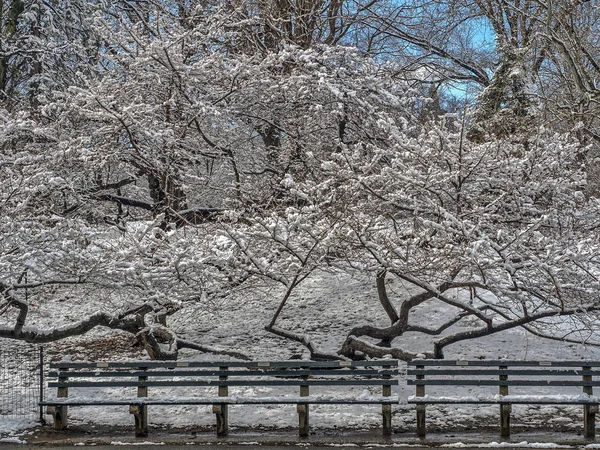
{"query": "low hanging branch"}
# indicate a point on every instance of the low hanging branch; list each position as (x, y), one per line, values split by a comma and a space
(41, 335)
(520, 322)
(384, 299)
(153, 337)
(438, 294)
(354, 343)
(301, 254)
(401, 325)
(130, 321)
(181, 343)
(315, 354)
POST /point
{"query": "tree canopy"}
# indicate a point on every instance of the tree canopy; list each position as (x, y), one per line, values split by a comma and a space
(159, 153)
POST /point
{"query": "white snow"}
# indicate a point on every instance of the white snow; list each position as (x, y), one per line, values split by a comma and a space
(12, 440)
(235, 399)
(523, 399)
(9, 425)
(237, 323)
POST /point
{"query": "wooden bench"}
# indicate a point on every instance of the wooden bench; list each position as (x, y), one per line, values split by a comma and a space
(85, 379)
(528, 378)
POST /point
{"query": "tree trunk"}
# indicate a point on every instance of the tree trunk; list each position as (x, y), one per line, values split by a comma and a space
(168, 198)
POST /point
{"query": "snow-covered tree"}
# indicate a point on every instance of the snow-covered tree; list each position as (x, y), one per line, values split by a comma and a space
(502, 232)
(188, 159)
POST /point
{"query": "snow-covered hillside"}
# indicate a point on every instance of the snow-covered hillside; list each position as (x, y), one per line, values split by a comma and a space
(326, 308)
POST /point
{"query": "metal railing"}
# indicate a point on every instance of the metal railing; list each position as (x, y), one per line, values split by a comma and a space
(21, 380)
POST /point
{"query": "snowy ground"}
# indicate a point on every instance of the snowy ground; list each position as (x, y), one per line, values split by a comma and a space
(325, 308)
(12, 430)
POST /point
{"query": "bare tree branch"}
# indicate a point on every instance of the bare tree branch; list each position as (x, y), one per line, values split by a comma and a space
(315, 354)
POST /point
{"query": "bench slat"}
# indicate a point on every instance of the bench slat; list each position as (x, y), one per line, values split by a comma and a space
(206, 383)
(217, 364)
(461, 371)
(471, 382)
(231, 400)
(496, 363)
(223, 373)
(508, 399)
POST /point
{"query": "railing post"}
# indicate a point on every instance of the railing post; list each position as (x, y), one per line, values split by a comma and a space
(140, 410)
(589, 411)
(420, 392)
(505, 410)
(303, 410)
(221, 410)
(386, 410)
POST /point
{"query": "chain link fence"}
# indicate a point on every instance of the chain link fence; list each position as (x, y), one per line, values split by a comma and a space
(21, 382)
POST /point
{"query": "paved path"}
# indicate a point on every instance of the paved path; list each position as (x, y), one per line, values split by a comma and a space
(104, 438)
(250, 446)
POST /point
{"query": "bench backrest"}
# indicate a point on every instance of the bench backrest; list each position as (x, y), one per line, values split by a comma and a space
(173, 374)
(422, 373)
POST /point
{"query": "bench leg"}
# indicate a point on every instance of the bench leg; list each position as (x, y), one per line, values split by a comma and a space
(386, 413)
(140, 413)
(222, 419)
(421, 420)
(505, 411)
(59, 414)
(303, 419)
(589, 420)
